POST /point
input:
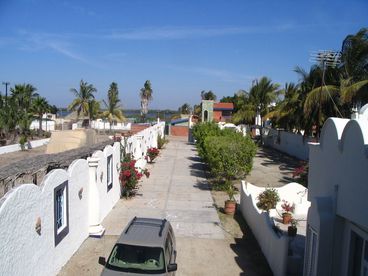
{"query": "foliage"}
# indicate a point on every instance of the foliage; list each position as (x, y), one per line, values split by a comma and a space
(39, 107)
(287, 206)
(152, 153)
(146, 97)
(201, 131)
(229, 156)
(84, 99)
(113, 112)
(185, 109)
(161, 141)
(129, 175)
(208, 95)
(301, 174)
(230, 190)
(268, 199)
(22, 141)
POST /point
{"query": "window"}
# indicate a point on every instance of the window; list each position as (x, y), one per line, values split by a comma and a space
(358, 255)
(61, 212)
(311, 252)
(109, 172)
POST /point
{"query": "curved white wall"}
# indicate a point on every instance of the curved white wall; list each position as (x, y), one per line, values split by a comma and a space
(23, 250)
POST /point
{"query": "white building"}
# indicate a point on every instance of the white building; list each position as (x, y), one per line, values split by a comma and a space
(337, 229)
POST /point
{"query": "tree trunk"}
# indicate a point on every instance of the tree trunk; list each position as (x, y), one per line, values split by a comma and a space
(40, 125)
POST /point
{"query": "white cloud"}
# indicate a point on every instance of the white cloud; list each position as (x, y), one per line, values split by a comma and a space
(192, 32)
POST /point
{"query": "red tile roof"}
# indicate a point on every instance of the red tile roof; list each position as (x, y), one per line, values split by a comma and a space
(223, 105)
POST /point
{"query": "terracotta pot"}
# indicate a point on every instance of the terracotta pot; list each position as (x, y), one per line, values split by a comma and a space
(286, 218)
(230, 207)
(292, 231)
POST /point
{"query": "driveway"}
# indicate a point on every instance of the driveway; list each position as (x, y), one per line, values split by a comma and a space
(177, 189)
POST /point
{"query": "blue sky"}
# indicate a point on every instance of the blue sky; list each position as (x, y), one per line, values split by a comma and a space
(183, 47)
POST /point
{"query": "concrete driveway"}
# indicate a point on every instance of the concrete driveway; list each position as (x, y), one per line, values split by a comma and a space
(177, 190)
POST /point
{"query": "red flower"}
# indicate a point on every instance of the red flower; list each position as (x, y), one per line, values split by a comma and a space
(287, 207)
(127, 173)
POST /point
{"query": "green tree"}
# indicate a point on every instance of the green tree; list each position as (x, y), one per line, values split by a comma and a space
(261, 95)
(146, 96)
(20, 101)
(39, 107)
(84, 99)
(185, 109)
(113, 112)
(208, 95)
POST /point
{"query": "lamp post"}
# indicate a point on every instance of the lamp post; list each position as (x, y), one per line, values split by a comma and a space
(6, 83)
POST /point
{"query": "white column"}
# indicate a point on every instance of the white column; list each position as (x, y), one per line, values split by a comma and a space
(95, 228)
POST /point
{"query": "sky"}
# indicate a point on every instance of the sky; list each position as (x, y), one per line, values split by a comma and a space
(182, 47)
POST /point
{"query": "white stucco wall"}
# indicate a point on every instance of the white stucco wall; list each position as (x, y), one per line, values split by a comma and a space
(100, 125)
(274, 247)
(30, 145)
(23, 250)
(293, 144)
(338, 190)
(46, 125)
(107, 198)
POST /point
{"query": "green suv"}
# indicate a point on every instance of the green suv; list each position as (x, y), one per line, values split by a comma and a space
(146, 246)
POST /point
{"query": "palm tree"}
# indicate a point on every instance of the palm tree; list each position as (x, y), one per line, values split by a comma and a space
(84, 99)
(262, 94)
(185, 109)
(288, 114)
(23, 95)
(19, 108)
(113, 111)
(39, 107)
(146, 97)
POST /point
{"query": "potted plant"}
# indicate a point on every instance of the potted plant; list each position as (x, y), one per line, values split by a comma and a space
(288, 208)
(268, 199)
(292, 229)
(230, 204)
(152, 153)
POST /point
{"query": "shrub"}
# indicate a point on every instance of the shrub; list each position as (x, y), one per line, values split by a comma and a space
(152, 153)
(161, 141)
(129, 176)
(200, 132)
(229, 156)
(268, 199)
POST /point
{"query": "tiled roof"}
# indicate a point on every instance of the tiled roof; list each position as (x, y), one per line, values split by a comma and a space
(223, 106)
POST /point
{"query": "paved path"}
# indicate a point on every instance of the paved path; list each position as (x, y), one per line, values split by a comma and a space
(177, 190)
(272, 168)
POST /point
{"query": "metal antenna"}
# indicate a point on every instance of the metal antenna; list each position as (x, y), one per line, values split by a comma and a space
(327, 58)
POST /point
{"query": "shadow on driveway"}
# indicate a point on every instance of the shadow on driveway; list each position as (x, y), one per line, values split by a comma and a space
(249, 255)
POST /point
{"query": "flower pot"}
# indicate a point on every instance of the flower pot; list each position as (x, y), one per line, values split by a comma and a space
(292, 231)
(286, 218)
(230, 207)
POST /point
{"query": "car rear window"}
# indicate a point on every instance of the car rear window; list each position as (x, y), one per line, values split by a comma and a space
(136, 259)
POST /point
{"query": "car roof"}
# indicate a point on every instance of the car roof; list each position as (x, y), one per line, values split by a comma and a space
(145, 232)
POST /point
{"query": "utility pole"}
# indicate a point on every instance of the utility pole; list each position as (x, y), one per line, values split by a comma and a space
(6, 83)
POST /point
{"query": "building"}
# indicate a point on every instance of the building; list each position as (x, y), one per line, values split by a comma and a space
(337, 224)
(217, 112)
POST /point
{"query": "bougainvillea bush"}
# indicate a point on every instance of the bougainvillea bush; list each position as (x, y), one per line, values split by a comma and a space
(152, 153)
(301, 174)
(129, 176)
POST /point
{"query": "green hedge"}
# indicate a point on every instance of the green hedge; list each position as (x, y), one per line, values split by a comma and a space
(228, 154)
